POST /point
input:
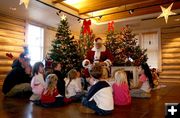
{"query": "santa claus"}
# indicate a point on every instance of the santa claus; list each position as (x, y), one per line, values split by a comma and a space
(98, 54)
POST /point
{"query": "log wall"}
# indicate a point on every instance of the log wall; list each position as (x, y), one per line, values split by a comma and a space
(12, 40)
(170, 43)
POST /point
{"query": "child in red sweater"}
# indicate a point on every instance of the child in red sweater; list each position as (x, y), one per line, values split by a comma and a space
(50, 96)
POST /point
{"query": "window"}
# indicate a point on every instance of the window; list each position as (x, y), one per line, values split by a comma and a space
(35, 38)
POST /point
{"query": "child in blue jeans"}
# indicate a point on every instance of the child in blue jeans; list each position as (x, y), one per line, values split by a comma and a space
(99, 97)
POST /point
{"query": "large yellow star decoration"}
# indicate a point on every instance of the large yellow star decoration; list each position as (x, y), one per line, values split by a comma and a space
(166, 12)
(63, 17)
(26, 3)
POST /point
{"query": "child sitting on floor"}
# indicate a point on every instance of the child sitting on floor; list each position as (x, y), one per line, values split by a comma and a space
(50, 96)
(37, 83)
(99, 97)
(73, 86)
(145, 82)
(61, 83)
(121, 93)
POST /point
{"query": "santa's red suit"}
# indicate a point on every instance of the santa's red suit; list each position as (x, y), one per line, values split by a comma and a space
(97, 55)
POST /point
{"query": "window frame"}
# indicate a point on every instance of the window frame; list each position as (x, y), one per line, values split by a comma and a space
(41, 43)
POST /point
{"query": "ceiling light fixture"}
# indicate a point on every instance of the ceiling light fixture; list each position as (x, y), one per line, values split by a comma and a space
(178, 19)
(13, 8)
(100, 17)
(79, 20)
(131, 11)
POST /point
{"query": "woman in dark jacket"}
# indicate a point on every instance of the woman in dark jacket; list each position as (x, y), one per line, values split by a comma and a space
(18, 79)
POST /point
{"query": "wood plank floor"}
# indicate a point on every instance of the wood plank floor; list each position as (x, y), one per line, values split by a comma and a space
(140, 108)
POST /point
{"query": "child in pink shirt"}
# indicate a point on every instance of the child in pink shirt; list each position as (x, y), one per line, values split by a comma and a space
(145, 82)
(121, 93)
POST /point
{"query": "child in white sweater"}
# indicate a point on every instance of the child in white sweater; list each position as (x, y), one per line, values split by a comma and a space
(37, 83)
(73, 85)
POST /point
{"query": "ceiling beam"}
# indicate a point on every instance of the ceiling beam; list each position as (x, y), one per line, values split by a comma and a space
(128, 7)
(137, 12)
(95, 5)
(57, 1)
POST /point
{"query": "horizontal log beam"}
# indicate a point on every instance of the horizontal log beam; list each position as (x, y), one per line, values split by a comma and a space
(5, 62)
(12, 34)
(13, 27)
(11, 41)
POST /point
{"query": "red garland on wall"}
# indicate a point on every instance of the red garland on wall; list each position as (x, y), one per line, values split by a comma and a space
(86, 25)
(9, 55)
(111, 26)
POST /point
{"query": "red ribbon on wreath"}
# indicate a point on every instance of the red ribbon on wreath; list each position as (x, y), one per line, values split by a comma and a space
(111, 26)
(86, 25)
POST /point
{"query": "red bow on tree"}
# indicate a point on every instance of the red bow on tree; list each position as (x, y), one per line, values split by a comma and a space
(111, 26)
(9, 55)
(86, 25)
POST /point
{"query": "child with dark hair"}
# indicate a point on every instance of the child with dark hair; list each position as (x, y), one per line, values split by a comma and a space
(145, 82)
(81, 79)
(99, 97)
(37, 83)
(17, 82)
(60, 83)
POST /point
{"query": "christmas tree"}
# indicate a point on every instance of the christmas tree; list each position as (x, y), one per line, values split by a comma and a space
(85, 41)
(114, 44)
(64, 48)
(124, 47)
(86, 38)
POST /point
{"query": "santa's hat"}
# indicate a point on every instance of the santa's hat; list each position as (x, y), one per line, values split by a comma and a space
(98, 40)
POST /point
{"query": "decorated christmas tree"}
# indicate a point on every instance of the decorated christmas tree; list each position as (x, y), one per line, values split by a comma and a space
(86, 38)
(114, 44)
(124, 47)
(64, 48)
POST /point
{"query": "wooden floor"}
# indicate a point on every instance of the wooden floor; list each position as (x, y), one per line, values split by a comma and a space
(140, 108)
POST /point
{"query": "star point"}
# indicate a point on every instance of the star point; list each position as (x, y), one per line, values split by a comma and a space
(166, 12)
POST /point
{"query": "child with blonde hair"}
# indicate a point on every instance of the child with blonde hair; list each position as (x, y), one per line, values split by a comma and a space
(121, 93)
(37, 83)
(73, 86)
(50, 96)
